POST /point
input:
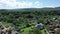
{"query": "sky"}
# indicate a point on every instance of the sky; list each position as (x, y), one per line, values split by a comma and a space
(13, 4)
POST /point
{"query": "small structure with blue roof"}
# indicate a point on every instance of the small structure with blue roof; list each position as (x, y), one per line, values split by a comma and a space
(39, 25)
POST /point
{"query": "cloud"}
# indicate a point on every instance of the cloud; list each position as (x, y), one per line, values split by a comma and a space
(50, 6)
(9, 4)
(24, 4)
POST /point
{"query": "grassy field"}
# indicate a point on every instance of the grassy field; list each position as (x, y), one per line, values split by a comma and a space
(26, 31)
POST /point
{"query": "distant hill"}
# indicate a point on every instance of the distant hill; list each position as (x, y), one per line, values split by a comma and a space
(32, 9)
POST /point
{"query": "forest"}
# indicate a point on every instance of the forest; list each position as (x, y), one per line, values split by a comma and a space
(24, 20)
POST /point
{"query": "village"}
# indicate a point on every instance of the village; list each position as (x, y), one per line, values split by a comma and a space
(52, 27)
(30, 21)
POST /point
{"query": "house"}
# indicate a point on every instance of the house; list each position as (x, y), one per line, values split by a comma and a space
(15, 32)
(39, 25)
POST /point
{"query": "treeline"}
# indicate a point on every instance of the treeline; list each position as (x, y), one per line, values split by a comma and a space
(25, 16)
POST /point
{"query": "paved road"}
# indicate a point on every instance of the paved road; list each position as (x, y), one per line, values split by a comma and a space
(4, 27)
(2, 24)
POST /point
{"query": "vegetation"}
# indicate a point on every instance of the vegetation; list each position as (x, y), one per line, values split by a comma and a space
(24, 19)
